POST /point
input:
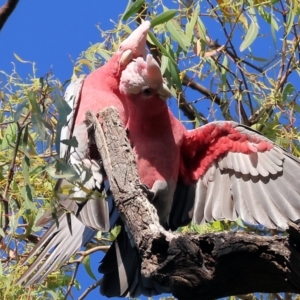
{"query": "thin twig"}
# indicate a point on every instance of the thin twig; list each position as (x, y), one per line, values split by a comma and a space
(72, 280)
(90, 288)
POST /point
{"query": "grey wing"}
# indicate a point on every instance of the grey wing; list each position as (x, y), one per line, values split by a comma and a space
(95, 210)
(78, 220)
(260, 187)
(57, 246)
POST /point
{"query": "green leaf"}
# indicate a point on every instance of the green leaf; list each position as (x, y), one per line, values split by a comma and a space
(156, 42)
(288, 90)
(192, 23)
(132, 9)
(64, 110)
(164, 63)
(261, 59)
(114, 233)
(290, 21)
(9, 136)
(224, 73)
(175, 76)
(202, 32)
(177, 34)
(163, 17)
(174, 72)
(37, 118)
(269, 18)
(25, 169)
(26, 193)
(87, 266)
(250, 36)
(19, 110)
(38, 125)
(61, 169)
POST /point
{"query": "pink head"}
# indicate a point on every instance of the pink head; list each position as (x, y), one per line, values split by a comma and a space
(144, 79)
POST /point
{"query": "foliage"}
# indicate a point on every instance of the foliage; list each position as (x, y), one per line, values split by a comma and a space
(246, 69)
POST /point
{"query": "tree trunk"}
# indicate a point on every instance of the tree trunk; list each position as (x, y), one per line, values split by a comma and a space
(192, 266)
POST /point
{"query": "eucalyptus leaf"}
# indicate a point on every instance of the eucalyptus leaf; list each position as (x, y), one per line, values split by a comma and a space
(250, 36)
(177, 34)
(163, 17)
(132, 9)
(287, 90)
(87, 266)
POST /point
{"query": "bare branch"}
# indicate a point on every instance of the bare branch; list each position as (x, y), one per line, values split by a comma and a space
(6, 10)
(89, 289)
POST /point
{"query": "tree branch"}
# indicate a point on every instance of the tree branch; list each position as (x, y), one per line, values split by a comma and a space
(6, 10)
(193, 266)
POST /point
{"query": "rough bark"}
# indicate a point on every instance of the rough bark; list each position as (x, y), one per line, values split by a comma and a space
(193, 266)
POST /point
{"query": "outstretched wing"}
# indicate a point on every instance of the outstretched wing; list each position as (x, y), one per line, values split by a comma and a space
(240, 173)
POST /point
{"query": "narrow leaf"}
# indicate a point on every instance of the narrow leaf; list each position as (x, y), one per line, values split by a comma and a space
(192, 23)
(156, 42)
(19, 110)
(164, 63)
(132, 9)
(9, 136)
(288, 90)
(87, 266)
(27, 195)
(290, 21)
(250, 36)
(164, 17)
(25, 168)
(177, 34)
(62, 170)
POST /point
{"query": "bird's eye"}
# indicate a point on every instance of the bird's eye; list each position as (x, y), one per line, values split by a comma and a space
(147, 91)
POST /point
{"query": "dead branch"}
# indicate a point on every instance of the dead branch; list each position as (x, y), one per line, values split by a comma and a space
(191, 266)
(6, 10)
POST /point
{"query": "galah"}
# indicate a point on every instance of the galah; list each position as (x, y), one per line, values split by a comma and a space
(236, 171)
(76, 228)
(222, 170)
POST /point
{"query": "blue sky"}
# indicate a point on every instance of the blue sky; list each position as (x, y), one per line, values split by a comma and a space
(53, 33)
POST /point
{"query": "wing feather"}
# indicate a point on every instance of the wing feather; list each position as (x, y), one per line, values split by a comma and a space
(245, 176)
(61, 245)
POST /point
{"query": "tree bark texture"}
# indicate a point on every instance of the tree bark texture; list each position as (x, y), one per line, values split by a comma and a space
(192, 266)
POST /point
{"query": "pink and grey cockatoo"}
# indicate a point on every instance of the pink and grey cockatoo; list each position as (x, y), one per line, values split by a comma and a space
(222, 170)
(98, 90)
(236, 171)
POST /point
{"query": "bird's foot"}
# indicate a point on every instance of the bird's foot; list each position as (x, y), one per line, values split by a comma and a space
(150, 194)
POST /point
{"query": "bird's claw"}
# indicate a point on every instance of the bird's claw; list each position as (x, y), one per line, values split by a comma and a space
(150, 194)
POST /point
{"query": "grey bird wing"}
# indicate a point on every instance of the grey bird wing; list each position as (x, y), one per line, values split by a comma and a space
(78, 221)
(259, 185)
